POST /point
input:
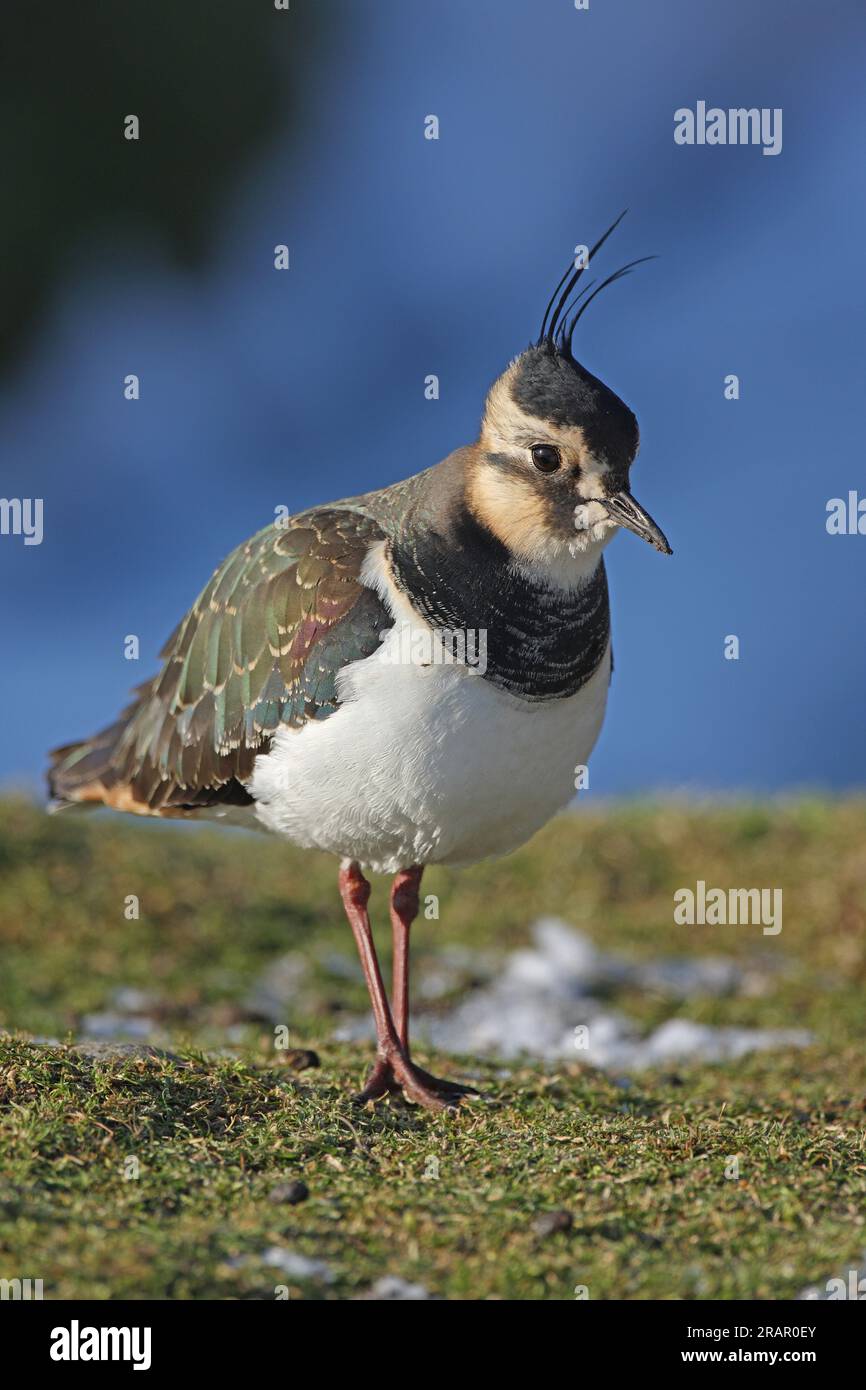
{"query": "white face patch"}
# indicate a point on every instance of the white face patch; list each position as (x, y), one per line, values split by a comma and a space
(590, 515)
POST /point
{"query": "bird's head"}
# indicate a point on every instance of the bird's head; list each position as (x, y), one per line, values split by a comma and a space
(551, 468)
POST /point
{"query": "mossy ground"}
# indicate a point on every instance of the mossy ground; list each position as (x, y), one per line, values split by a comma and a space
(450, 1202)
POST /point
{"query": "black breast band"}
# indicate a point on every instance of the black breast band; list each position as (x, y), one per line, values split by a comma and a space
(541, 643)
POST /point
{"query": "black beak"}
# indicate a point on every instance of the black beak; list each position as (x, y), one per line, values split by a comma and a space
(625, 511)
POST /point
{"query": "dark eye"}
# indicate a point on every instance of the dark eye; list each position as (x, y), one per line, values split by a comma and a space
(545, 457)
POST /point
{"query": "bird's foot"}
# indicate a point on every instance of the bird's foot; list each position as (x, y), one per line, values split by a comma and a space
(394, 1074)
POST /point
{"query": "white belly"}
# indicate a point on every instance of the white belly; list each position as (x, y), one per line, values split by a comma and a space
(426, 765)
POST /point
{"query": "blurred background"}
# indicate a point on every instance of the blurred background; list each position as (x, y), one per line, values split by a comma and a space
(261, 388)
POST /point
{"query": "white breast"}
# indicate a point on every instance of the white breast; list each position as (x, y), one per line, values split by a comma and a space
(425, 764)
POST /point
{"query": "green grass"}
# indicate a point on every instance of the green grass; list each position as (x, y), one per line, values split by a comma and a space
(215, 1128)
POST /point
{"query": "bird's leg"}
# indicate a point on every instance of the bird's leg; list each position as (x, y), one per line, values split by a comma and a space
(392, 1071)
(404, 910)
(355, 892)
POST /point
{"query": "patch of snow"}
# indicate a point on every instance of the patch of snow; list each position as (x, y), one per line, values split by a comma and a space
(110, 1025)
(288, 1262)
(546, 991)
(280, 986)
(129, 1000)
(340, 965)
(391, 1287)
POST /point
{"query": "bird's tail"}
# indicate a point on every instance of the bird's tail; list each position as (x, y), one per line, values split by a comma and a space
(82, 773)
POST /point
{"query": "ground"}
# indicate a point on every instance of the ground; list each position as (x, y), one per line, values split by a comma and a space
(166, 1174)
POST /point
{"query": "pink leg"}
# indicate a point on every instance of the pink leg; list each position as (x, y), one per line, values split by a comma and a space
(355, 892)
(404, 910)
(393, 1071)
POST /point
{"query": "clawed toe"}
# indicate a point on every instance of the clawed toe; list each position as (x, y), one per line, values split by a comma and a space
(381, 1082)
(398, 1075)
(437, 1083)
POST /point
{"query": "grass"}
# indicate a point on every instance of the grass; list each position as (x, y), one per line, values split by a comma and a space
(159, 1176)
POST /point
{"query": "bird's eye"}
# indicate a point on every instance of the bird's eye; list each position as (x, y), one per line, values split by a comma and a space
(545, 457)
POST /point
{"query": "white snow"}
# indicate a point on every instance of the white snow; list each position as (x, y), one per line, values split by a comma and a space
(544, 992)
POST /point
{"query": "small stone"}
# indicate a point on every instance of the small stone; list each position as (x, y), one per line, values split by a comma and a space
(290, 1193)
(300, 1059)
(552, 1223)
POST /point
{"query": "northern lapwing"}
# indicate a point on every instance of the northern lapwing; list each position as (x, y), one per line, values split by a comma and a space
(407, 677)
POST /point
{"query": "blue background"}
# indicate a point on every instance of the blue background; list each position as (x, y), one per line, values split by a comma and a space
(411, 257)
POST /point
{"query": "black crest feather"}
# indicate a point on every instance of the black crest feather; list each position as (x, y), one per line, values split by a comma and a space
(562, 312)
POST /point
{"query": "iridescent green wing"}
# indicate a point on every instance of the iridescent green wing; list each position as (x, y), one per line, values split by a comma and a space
(262, 646)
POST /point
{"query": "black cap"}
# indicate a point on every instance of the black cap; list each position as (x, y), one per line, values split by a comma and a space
(550, 383)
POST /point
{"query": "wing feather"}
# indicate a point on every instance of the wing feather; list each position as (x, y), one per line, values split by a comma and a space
(262, 646)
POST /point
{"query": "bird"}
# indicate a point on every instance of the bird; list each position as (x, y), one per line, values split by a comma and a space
(406, 677)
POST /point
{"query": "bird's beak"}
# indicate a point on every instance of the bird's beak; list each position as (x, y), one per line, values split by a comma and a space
(625, 511)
